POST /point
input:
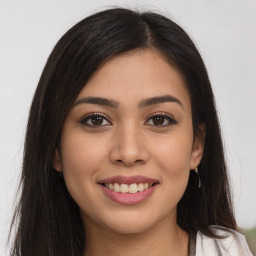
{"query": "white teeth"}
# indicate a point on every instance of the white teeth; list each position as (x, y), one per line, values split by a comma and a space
(140, 187)
(133, 188)
(125, 188)
(116, 187)
(145, 185)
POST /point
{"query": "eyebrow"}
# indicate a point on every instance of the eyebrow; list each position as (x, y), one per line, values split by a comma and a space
(114, 104)
(98, 101)
(159, 99)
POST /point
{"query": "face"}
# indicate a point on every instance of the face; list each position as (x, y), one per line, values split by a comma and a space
(130, 128)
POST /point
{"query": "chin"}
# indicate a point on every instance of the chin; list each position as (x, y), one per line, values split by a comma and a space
(130, 222)
(129, 227)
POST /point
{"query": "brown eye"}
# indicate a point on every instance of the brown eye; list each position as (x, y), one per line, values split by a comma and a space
(94, 120)
(97, 120)
(158, 120)
(161, 120)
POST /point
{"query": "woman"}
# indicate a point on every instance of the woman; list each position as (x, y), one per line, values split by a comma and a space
(123, 152)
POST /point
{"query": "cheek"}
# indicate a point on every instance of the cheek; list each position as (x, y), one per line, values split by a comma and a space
(81, 154)
(174, 154)
(81, 158)
(173, 159)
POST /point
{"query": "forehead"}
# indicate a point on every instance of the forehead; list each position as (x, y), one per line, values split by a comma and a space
(135, 75)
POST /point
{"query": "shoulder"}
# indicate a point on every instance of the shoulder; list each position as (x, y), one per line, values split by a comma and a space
(233, 243)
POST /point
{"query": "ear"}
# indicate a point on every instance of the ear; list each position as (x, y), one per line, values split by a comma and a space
(57, 161)
(198, 147)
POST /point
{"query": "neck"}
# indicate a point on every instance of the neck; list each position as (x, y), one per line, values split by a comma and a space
(161, 240)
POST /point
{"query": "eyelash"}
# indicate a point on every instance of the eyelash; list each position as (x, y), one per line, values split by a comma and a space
(171, 120)
(86, 118)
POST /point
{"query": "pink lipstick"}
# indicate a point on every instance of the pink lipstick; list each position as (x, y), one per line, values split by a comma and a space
(128, 190)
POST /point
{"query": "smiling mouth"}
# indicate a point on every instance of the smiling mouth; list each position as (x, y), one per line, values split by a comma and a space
(129, 188)
(128, 184)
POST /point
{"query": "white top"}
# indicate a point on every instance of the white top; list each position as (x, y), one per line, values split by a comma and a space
(234, 244)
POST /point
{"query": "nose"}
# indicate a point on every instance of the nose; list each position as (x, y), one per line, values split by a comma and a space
(128, 147)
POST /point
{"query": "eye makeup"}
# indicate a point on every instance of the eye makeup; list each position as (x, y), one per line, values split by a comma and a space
(95, 120)
(161, 120)
(98, 119)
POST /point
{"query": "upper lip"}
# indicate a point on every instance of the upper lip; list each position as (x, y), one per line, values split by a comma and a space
(128, 180)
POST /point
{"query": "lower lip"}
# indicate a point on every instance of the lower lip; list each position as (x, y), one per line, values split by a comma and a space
(127, 198)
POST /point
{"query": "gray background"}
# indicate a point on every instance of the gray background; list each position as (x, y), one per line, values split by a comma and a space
(224, 31)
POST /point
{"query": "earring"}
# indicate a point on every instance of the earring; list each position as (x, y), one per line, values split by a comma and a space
(199, 180)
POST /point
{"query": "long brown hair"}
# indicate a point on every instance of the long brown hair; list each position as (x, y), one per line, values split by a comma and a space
(48, 219)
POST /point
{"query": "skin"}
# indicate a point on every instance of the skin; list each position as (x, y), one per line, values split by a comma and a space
(129, 142)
